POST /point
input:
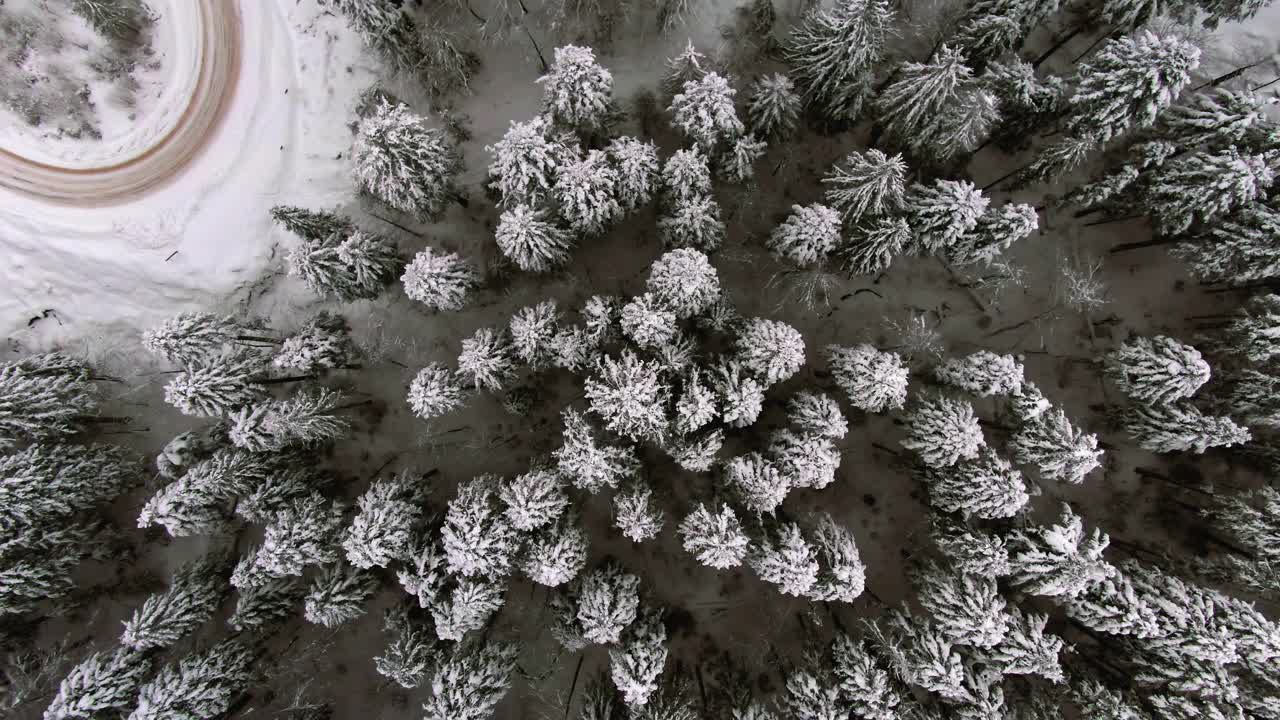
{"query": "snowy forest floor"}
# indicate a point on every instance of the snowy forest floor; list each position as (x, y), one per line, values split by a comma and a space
(206, 242)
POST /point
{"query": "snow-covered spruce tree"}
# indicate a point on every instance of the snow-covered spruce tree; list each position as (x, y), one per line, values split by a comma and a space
(636, 162)
(587, 192)
(1250, 519)
(191, 336)
(1178, 427)
(486, 361)
(411, 651)
(608, 601)
(267, 603)
(466, 607)
(1238, 248)
(1058, 560)
(921, 655)
(872, 380)
(967, 609)
(441, 281)
(636, 514)
(1254, 330)
(588, 463)
(818, 414)
(790, 562)
(385, 28)
(841, 573)
(693, 223)
(982, 373)
(311, 224)
(987, 486)
(166, 617)
(525, 161)
(532, 240)
(577, 91)
(704, 111)
(943, 431)
(435, 391)
(305, 532)
(962, 127)
(715, 539)
(1107, 192)
(684, 281)
(997, 229)
(470, 681)
(357, 266)
(556, 554)
(689, 64)
(772, 350)
(774, 107)
(697, 453)
(1054, 160)
(636, 664)
(38, 565)
(1048, 441)
(1027, 649)
(405, 163)
(870, 183)
(1202, 187)
(1254, 397)
(305, 419)
(911, 107)
(696, 405)
(45, 397)
(322, 343)
(477, 536)
(46, 483)
(217, 386)
(424, 571)
(971, 551)
(758, 483)
(811, 692)
(870, 692)
(808, 460)
(834, 53)
(736, 162)
(807, 236)
(1214, 119)
(648, 323)
(1158, 369)
(1127, 83)
(943, 213)
(338, 595)
(1028, 103)
(386, 517)
(533, 500)
(533, 330)
(629, 395)
(201, 686)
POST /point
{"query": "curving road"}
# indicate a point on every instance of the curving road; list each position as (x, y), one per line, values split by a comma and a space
(218, 33)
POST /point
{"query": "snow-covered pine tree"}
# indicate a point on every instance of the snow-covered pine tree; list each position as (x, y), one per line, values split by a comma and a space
(774, 107)
(305, 532)
(191, 336)
(1054, 160)
(685, 176)
(971, 551)
(943, 213)
(872, 380)
(1254, 331)
(1048, 441)
(533, 330)
(741, 397)
(405, 163)
(577, 91)
(216, 386)
(305, 419)
(424, 571)
(736, 162)
(760, 486)
(386, 518)
(533, 500)
(555, 555)
(841, 573)
(818, 414)
(1251, 520)
(264, 604)
(636, 162)
(1179, 427)
(870, 692)
(1239, 248)
(790, 562)
(608, 602)
(870, 183)
(967, 609)
(636, 514)
(629, 395)
(834, 53)
(1027, 649)
(692, 223)
(1202, 187)
(586, 190)
(1058, 560)
(686, 66)
(982, 373)
(201, 686)
(357, 266)
(812, 693)
(807, 460)
(46, 483)
(37, 565)
(772, 350)
(807, 236)
(588, 463)
(1106, 193)
(1215, 119)
(911, 107)
(525, 161)
(435, 391)
(412, 651)
(704, 112)
(715, 539)
(986, 486)
(387, 29)
(684, 281)
(478, 539)
(1027, 103)
(338, 595)
(1096, 700)
(311, 224)
(921, 655)
(997, 229)
(441, 281)
(636, 664)
(648, 323)
(943, 431)
(989, 29)
(46, 397)
(697, 453)
(1158, 369)
(166, 617)
(486, 361)
(1127, 83)
(466, 607)
(470, 681)
(322, 343)
(964, 125)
